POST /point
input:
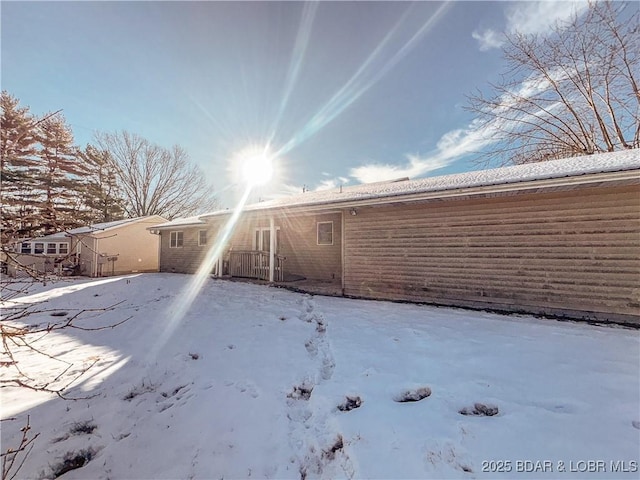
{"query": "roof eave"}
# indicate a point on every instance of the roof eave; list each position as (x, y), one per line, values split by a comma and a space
(523, 186)
(108, 229)
(173, 227)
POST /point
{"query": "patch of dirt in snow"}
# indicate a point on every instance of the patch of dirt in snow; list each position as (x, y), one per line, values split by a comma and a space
(139, 390)
(301, 392)
(350, 403)
(71, 461)
(480, 410)
(79, 428)
(414, 395)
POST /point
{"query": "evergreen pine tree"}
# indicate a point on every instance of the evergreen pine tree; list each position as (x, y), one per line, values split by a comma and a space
(17, 157)
(59, 176)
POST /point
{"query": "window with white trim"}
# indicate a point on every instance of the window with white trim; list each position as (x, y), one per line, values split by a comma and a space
(63, 248)
(176, 239)
(25, 247)
(52, 248)
(202, 238)
(38, 248)
(325, 233)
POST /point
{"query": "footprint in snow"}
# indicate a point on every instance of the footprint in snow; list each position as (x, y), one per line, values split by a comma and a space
(480, 410)
(328, 366)
(301, 392)
(413, 395)
(636, 424)
(312, 348)
(248, 388)
(350, 403)
(446, 453)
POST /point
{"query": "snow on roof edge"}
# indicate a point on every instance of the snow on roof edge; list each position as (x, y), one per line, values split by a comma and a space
(568, 167)
(101, 227)
(177, 222)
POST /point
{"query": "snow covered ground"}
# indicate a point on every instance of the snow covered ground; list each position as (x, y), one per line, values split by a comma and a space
(259, 382)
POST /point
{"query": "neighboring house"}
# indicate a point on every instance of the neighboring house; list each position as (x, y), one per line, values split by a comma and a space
(116, 248)
(113, 248)
(56, 244)
(558, 238)
(43, 254)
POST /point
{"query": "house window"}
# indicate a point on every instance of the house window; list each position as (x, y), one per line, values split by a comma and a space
(39, 248)
(51, 248)
(202, 238)
(63, 248)
(176, 240)
(25, 248)
(325, 233)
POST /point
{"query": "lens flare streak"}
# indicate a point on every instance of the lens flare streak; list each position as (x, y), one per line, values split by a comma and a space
(357, 85)
(179, 308)
(299, 51)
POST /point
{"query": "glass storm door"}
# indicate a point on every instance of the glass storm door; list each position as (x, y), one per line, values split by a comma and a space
(262, 239)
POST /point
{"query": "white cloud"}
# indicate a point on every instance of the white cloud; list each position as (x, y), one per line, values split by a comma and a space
(541, 17)
(331, 183)
(460, 142)
(452, 145)
(380, 172)
(530, 18)
(488, 39)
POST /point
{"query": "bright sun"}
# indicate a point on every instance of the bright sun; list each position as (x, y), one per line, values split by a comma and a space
(257, 166)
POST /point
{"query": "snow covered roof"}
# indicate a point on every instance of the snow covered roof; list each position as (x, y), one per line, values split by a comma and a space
(54, 237)
(570, 167)
(181, 222)
(99, 227)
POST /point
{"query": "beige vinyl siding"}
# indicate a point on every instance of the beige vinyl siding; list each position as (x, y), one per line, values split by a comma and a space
(556, 252)
(86, 246)
(303, 254)
(135, 248)
(188, 258)
(243, 234)
(298, 243)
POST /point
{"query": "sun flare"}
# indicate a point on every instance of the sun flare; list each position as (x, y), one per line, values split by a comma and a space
(257, 166)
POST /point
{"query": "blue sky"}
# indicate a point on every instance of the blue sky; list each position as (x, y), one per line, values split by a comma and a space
(346, 92)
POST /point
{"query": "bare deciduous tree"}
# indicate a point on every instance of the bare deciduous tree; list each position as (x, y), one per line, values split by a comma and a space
(573, 92)
(23, 334)
(14, 458)
(156, 180)
(103, 198)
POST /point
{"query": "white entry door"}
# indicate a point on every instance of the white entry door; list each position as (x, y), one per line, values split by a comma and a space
(262, 239)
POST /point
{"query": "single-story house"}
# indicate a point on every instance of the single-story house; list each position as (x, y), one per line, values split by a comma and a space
(103, 249)
(555, 238)
(48, 254)
(118, 247)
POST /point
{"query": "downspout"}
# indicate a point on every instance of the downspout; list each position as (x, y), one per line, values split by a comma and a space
(95, 257)
(272, 248)
(159, 233)
(222, 253)
(342, 251)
